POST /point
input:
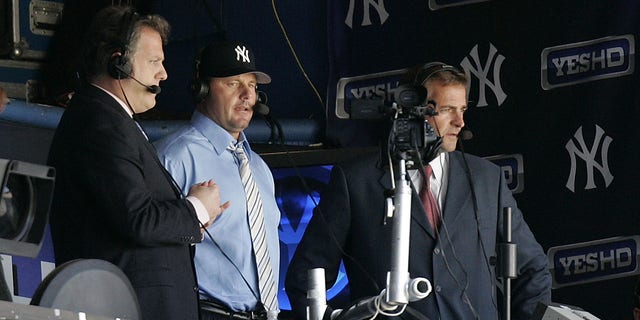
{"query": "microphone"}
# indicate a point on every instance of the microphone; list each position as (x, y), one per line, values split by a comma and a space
(465, 135)
(150, 88)
(261, 106)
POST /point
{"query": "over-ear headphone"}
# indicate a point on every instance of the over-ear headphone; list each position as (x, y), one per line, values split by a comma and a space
(199, 90)
(119, 66)
(429, 69)
(411, 90)
(199, 87)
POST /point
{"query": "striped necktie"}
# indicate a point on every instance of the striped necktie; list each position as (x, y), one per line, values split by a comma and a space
(266, 280)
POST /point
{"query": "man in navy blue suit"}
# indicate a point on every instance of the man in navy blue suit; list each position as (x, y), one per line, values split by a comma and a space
(453, 252)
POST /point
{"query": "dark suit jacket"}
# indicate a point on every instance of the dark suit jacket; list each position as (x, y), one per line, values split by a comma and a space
(114, 201)
(457, 263)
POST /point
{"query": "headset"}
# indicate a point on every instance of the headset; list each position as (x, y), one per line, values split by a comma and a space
(429, 69)
(199, 87)
(119, 65)
(411, 89)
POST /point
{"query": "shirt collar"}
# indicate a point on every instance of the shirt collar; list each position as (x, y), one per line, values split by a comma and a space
(439, 165)
(217, 135)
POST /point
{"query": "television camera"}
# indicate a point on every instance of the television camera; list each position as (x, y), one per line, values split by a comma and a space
(410, 134)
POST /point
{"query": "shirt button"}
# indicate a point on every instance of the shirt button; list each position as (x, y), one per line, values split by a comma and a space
(438, 288)
(436, 251)
(195, 289)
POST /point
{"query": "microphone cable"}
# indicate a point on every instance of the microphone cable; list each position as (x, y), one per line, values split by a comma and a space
(125, 97)
(215, 243)
(463, 288)
(317, 210)
(255, 295)
(475, 208)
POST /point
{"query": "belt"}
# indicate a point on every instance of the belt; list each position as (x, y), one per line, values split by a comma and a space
(210, 306)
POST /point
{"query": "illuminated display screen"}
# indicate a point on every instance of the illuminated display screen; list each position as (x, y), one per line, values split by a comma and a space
(296, 202)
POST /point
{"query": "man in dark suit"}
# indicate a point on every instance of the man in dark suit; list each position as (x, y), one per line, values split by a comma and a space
(453, 250)
(113, 199)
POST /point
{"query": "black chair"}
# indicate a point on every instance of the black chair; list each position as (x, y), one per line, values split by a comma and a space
(92, 286)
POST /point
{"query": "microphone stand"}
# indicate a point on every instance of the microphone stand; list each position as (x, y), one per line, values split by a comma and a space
(400, 289)
(507, 263)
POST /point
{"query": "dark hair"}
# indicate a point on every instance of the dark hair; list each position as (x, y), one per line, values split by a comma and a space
(116, 29)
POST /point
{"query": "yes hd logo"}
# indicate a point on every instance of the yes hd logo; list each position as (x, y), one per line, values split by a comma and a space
(579, 62)
(382, 85)
(594, 261)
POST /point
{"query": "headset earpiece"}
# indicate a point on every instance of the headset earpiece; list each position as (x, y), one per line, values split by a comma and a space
(428, 70)
(119, 65)
(199, 89)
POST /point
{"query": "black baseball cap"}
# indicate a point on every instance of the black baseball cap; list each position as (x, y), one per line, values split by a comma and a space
(229, 58)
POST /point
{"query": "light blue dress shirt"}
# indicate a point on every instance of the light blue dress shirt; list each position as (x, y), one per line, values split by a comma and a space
(226, 270)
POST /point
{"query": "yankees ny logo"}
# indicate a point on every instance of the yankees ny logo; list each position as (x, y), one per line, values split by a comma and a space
(482, 73)
(600, 142)
(242, 52)
(366, 17)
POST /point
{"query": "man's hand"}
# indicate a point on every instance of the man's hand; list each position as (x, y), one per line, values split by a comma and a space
(209, 194)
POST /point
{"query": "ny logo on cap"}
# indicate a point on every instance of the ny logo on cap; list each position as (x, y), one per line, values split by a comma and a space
(242, 52)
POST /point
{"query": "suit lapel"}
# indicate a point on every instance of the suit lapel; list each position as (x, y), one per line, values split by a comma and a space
(458, 192)
(167, 175)
(109, 105)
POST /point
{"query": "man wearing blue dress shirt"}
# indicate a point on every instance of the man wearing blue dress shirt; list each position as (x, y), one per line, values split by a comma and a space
(225, 92)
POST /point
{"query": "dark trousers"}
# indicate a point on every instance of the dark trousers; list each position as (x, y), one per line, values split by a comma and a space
(214, 311)
(207, 315)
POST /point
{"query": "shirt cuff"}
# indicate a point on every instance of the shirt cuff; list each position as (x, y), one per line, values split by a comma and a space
(201, 211)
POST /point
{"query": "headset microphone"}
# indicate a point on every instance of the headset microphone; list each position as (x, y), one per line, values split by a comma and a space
(465, 134)
(261, 106)
(150, 88)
